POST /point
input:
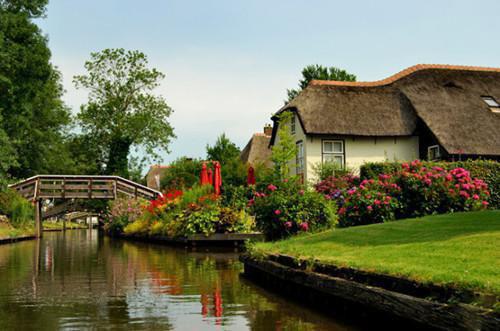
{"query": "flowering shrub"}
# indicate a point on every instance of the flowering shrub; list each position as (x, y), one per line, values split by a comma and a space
(123, 211)
(487, 170)
(194, 211)
(413, 190)
(373, 201)
(335, 187)
(436, 190)
(286, 208)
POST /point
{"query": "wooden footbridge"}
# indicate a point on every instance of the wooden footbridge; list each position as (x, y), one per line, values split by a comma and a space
(42, 187)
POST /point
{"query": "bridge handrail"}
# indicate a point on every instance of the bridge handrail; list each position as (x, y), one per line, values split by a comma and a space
(117, 179)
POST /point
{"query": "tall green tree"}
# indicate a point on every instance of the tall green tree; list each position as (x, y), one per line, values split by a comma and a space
(233, 170)
(34, 117)
(316, 71)
(122, 111)
(223, 150)
(285, 149)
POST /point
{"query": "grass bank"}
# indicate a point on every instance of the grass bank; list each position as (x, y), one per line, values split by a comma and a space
(9, 232)
(460, 250)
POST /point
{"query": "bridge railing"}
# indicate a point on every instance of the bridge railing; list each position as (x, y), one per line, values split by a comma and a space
(81, 187)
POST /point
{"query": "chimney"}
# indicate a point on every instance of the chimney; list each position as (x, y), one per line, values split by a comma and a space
(268, 130)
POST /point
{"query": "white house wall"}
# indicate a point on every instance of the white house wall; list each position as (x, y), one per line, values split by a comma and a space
(358, 150)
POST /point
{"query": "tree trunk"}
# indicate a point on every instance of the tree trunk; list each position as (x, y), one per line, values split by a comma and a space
(118, 157)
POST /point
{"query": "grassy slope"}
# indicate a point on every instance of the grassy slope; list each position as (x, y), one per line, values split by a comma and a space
(462, 249)
(7, 231)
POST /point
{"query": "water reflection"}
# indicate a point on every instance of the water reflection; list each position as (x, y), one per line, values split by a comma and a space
(79, 280)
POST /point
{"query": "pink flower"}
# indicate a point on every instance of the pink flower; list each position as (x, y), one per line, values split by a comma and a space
(464, 194)
(475, 197)
(251, 202)
(277, 212)
(376, 202)
(428, 182)
(485, 203)
(342, 211)
(288, 224)
(369, 208)
(449, 177)
(304, 226)
(271, 187)
(301, 192)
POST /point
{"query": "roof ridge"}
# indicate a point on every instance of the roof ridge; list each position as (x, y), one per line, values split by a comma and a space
(401, 74)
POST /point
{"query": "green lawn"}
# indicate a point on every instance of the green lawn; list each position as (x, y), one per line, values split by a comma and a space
(461, 249)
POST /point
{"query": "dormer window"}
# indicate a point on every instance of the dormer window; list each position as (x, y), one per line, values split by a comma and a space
(490, 101)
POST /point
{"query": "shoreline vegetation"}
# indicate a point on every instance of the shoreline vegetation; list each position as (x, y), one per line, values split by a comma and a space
(456, 252)
(9, 233)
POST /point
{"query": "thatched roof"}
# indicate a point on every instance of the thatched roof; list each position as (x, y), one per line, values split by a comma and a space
(257, 150)
(450, 104)
(447, 99)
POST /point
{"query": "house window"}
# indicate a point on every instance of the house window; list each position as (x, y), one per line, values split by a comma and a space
(433, 153)
(333, 151)
(299, 158)
(492, 103)
(292, 124)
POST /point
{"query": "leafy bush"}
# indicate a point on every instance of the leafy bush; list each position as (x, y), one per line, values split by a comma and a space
(436, 190)
(19, 210)
(182, 174)
(180, 214)
(288, 208)
(373, 201)
(325, 170)
(334, 187)
(236, 196)
(487, 170)
(122, 212)
(411, 190)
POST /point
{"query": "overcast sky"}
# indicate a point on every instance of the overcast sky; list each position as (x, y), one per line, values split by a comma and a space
(228, 63)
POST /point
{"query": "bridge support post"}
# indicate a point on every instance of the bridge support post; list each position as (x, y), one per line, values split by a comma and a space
(38, 218)
(64, 223)
(89, 219)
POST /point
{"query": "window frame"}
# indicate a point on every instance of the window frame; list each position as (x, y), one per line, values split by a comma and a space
(439, 155)
(341, 154)
(299, 160)
(487, 98)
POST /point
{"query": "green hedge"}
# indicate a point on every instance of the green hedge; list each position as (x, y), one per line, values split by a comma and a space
(487, 170)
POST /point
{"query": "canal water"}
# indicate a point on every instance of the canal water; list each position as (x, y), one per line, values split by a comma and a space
(80, 280)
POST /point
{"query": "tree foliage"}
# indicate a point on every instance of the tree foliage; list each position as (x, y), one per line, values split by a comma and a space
(122, 110)
(223, 150)
(316, 71)
(285, 149)
(182, 174)
(34, 117)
